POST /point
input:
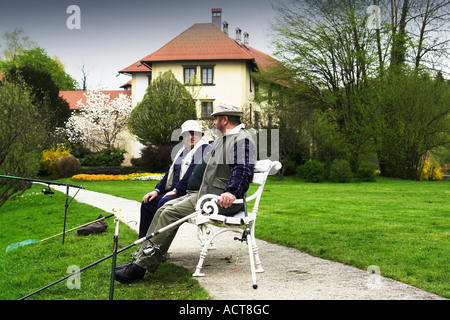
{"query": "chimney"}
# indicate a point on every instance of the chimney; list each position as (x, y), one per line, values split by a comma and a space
(217, 17)
(238, 35)
(246, 39)
(225, 27)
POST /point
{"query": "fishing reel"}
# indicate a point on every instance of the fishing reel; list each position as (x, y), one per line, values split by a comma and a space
(244, 236)
(151, 250)
(48, 191)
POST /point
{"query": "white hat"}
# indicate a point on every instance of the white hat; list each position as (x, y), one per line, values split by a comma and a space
(190, 125)
(227, 109)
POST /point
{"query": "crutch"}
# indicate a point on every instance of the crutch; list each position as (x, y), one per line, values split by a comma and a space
(137, 242)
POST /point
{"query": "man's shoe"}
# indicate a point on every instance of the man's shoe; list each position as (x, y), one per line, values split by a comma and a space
(129, 272)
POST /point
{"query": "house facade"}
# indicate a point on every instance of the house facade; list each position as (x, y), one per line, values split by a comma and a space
(215, 66)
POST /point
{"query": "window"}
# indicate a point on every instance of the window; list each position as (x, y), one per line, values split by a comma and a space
(207, 108)
(189, 75)
(207, 75)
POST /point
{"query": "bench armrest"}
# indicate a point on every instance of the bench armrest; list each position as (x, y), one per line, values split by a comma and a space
(208, 203)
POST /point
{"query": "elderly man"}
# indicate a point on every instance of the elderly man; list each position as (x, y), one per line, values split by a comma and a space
(174, 183)
(226, 171)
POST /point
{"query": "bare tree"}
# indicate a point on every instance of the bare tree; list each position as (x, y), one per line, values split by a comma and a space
(84, 75)
(432, 20)
(416, 32)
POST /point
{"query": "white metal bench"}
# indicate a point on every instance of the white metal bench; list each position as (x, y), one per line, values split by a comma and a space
(208, 215)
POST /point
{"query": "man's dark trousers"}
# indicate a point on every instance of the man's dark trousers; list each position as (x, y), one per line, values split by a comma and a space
(148, 211)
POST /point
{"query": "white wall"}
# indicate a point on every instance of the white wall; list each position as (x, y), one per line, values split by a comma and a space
(139, 86)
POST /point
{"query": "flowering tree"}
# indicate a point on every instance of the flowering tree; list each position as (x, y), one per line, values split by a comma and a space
(100, 120)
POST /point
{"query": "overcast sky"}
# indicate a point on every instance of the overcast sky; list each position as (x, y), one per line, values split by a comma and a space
(114, 34)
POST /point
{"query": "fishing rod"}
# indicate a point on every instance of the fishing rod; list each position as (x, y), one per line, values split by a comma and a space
(17, 245)
(113, 267)
(49, 191)
(115, 252)
(42, 181)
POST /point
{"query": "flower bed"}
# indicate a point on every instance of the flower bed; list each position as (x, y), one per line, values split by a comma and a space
(118, 177)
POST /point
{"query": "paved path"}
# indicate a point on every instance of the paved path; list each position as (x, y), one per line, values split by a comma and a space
(289, 274)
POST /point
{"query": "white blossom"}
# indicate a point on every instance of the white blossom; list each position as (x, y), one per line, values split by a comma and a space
(99, 120)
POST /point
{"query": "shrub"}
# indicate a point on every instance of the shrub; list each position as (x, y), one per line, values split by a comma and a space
(290, 167)
(22, 131)
(105, 157)
(312, 171)
(80, 152)
(111, 156)
(340, 171)
(365, 171)
(50, 158)
(136, 162)
(67, 166)
(156, 158)
(431, 172)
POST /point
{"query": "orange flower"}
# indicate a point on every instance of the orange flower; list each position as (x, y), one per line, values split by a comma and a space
(118, 177)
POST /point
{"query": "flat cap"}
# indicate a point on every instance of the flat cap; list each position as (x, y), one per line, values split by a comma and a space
(227, 109)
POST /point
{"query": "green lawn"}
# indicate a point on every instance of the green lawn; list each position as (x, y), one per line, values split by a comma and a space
(400, 226)
(29, 268)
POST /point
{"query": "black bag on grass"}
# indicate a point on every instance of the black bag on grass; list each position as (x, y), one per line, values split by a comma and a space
(93, 228)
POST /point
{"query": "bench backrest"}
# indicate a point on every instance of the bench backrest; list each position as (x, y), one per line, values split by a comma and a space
(263, 168)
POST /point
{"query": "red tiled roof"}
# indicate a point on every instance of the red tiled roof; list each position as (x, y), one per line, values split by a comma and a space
(136, 67)
(202, 41)
(72, 97)
(205, 41)
(262, 60)
(129, 83)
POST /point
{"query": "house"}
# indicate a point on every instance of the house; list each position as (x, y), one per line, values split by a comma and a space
(206, 55)
(216, 66)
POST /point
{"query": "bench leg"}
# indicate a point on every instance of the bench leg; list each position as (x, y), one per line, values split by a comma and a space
(203, 233)
(206, 238)
(198, 269)
(205, 248)
(258, 265)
